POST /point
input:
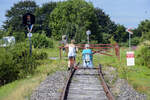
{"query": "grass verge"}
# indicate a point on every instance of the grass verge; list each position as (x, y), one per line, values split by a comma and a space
(138, 76)
(22, 89)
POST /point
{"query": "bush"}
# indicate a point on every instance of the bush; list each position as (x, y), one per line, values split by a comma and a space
(41, 41)
(40, 55)
(22, 60)
(19, 36)
(144, 54)
(6, 68)
(2, 33)
(135, 41)
(16, 62)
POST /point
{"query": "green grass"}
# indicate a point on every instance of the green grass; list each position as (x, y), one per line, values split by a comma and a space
(5, 90)
(138, 76)
(22, 89)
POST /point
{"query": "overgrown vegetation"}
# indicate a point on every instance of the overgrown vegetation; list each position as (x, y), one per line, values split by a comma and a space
(138, 76)
(16, 62)
(41, 41)
(72, 18)
(144, 54)
(24, 87)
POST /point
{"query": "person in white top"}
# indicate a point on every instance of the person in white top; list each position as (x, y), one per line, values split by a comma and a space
(71, 53)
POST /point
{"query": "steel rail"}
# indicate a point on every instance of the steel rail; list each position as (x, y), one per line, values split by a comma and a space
(103, 83)
(106, 89)
(67, 84)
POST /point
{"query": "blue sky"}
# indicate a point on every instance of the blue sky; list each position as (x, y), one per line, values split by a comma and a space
(125, 12)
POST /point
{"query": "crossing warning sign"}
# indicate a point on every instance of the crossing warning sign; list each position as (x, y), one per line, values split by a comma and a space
(130, 58)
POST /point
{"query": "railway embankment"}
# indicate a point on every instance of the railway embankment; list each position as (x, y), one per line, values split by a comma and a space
(51, 88)
(120, 88)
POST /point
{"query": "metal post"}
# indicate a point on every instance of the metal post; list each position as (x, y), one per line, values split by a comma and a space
(130, 33)
(30, 42)
(30, 46)
(88, 32)
(129, 41)
(88, 39)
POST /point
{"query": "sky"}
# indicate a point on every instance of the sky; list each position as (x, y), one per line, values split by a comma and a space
(124, 12)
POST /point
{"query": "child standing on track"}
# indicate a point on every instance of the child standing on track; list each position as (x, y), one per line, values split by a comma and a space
(71, 53)
(87, 56)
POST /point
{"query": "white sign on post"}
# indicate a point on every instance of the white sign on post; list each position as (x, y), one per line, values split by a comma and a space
(129, 31)
(130, 58)
(29, 35)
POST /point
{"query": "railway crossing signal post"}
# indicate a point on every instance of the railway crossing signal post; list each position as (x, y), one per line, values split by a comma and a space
(29, 20)
(130, 33)
(130, 54)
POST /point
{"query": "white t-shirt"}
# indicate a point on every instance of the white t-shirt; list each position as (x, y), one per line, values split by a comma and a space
(72, 51)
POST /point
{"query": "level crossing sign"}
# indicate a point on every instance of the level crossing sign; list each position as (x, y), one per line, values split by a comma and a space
(129, 31)
(130, 58)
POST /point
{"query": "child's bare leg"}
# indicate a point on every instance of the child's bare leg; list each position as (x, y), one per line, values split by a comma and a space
(69, 63)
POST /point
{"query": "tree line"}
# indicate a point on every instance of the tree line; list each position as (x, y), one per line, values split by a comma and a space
(54, 19)
(72, 18)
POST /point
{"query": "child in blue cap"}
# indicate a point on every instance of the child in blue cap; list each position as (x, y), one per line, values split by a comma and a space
(87, 57)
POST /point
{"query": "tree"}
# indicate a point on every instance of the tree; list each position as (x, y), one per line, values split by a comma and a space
(42, 18)
(1, 33)
(143, 30)
(73, 18)
(14, 16)
(120, 34)
(106, 26)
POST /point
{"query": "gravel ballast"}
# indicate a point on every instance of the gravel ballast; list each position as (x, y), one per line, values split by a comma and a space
(120, 87)
(51, 88)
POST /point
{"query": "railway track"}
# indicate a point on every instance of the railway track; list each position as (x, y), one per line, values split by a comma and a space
(86, 84)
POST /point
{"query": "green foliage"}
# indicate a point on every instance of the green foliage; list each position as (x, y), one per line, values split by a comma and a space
(16, 62)
(93, 42)
(22, 59)
(120, 34)
(73, 18)
(143, 30)
(41, 41)
(106, 26)
(144, 54)
(137, 76)
(135, 41)
(112, 41)
(106, 37)
(40, 55)
(14, 16)
(1, 33)
(6, 67)
(42, 18)
(19, 36)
